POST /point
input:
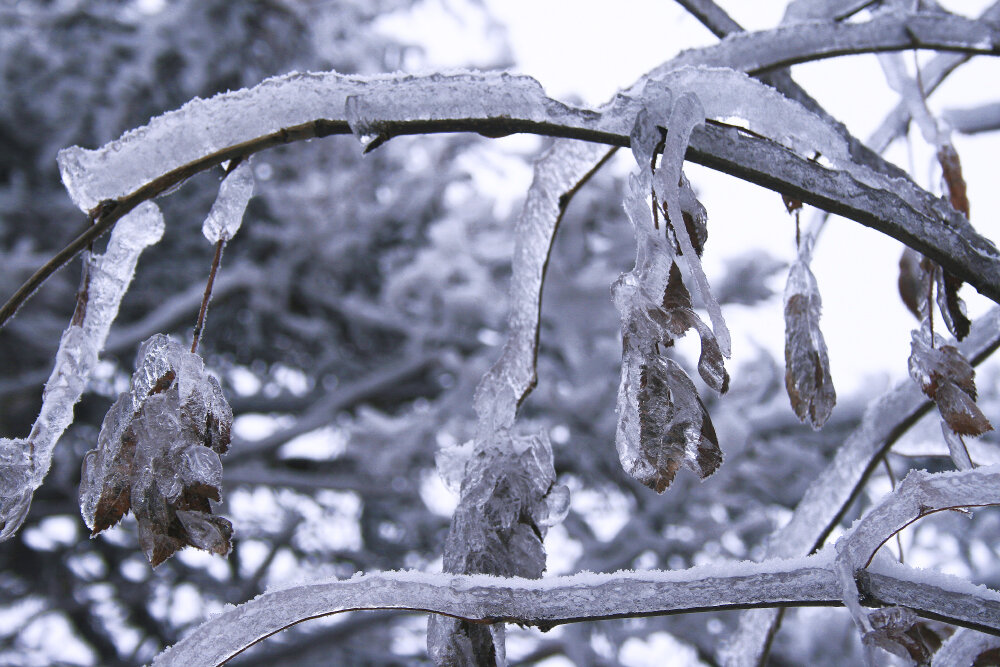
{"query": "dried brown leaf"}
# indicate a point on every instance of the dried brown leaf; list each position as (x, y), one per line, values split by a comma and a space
(807, 366)
(912, 282)
(899, 631)
(952, 307)
(947, 377)
(791, 204)
(951, 171)
(158, 456)
(672, 422)
(676, 317)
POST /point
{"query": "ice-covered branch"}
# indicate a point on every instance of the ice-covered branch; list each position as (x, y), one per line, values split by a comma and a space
(973, 120)
(920, 494)
(24, 463)
(148, 161)
(756, 52)
(826, 500)
(963, 647)
(558, 173)
(581, 597)
(711, 16)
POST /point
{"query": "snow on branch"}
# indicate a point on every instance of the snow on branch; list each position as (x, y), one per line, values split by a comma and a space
(580, 597)
(963, 647)
(920, 494)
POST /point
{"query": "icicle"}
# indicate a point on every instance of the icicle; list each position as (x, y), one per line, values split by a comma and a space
(226, 216)
(109, 278)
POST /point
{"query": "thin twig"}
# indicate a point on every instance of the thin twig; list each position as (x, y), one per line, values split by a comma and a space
(200, 325)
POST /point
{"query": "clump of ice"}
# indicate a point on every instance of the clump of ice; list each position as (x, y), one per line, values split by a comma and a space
(226, 216)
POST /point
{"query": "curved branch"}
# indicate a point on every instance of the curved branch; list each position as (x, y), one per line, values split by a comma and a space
(176, 150)
(582, 597)
(920, 494)
(766, 50)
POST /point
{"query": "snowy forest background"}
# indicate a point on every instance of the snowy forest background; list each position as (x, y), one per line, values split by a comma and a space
(359, 307)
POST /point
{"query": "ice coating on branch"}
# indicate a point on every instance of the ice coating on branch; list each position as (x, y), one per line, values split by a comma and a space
(158, 454)
(899, 80)
(964, 647)
(807, 365)
(456, 96)
(919, 494)
(726, 93)
(226, 216)
(200, 128)
(798, 11)
(513, 375)
(203, 127)
(108, 277)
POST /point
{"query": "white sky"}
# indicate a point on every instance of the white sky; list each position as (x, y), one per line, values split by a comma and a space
(584, 51)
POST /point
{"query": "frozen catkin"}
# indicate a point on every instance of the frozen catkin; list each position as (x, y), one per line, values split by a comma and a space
(158, 455)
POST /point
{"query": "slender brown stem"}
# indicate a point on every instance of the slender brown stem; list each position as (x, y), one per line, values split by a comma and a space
(200, 325)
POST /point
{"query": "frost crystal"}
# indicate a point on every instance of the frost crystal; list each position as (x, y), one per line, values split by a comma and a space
(224, 220)
(108, 277)
(158, 455)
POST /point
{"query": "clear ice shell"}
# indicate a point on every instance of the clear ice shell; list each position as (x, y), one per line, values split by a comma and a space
(226, 216)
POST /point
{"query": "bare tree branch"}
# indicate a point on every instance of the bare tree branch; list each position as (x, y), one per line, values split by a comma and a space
(984, 118)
